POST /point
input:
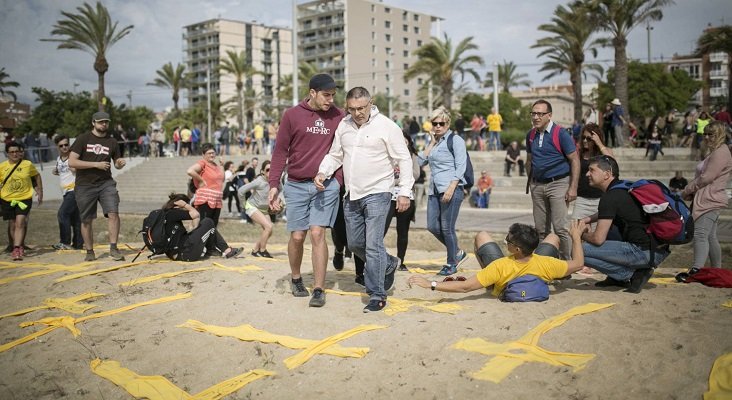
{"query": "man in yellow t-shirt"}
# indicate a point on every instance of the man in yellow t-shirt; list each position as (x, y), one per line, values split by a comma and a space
(528, 257)
(494, 130)
(16, 194)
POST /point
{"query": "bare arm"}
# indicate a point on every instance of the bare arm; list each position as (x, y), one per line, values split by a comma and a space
(576, 229)
(195, 172)
(465, 286)
(599, 236)
(574, 171)
(39, 188)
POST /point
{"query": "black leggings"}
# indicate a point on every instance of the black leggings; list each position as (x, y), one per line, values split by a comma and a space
(208, 212)
(404, 219)
(201, 241)
(232, 195)
(338, 234)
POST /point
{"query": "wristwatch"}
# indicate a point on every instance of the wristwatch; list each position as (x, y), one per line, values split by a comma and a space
(434, 285)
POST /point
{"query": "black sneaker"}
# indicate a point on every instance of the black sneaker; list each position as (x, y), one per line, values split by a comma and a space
(360, 280)
(298, 288)
(610, 282)
(318, 299)
(640, 277)
(374, 305)
(347, 253)
(265, 254)
(255, 253)
(233, 252)
(390, 270)
(338, 261)
(402, 268)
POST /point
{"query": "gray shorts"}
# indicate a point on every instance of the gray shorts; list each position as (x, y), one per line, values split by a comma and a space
(490, 252)
(105, 193)
(307, 206)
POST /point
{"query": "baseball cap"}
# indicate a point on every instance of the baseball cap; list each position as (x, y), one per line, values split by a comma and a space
(100, 116)
(322, 82)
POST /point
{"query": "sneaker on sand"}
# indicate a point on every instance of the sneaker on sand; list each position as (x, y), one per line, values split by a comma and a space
(116, 255)
(390, 270)
(318, 299)
(447, 270)
(90, 256)
(338, 261)
(17, 254)
(255, 253)
(233, 252)
(265, 254)
(461, 256)
(360, 280)
(374, 305)
(62, 246)
(298, 288)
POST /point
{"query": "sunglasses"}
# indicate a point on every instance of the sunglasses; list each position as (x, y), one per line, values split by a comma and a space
(507, 242)
(457, 278)
(439, 123)
(266, 170)
(63, 145)
(587, 138)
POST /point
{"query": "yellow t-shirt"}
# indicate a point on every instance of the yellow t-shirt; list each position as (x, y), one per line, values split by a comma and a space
(494, 122)
(258, 131)
(19, 186)
(500, 272)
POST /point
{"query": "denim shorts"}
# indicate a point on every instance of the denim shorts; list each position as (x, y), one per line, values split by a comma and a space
(87, 197)
(490, 252)
(308, 206)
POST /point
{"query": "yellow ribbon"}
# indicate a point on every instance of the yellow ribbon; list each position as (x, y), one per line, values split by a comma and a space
(69, 304)
(720, 379)
(396, 306)
(18, 203)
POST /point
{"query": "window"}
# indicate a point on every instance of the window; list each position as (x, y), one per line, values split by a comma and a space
(373, 48)
(373, 35)
(419, 43)
(373, 21)
(373, 76)
(416, 18)
(405, 28)
(388, 37)
(404, 15)
(406, 66)
(405, 53)
(406, 41)
(406, 92)
(416, 30)
(387, 64)
(388, 50)
(387, 10)
(373, 7)
(387, 24)
(419, 81)
(388, 79)
(373, 62)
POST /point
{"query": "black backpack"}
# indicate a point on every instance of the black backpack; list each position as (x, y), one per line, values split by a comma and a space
(156, 235)
(469, 174)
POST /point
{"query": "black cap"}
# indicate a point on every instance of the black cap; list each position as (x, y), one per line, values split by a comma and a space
(322, 82)
(100, 116)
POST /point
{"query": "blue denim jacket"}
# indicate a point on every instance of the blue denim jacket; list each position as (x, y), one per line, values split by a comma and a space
(444, 168)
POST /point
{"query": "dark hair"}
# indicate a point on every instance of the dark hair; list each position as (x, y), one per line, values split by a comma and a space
(542, 101)
(592, 128)
(60, 138)
(410, 142)
(523, 236)
(19, 145)
(357, 93)
(227, 165)
(265, 163)
(173, 197)
(607, 163)
(206, 147)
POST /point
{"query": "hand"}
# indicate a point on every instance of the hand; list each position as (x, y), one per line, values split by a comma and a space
(39, 193)
(596, 138)
(103, 165)
(402, 203)
(576, 229)
(120, 163)
(570, 196)
(274, 201)
(318, 180)
(55, 171)
(419, 281)
(447, 196)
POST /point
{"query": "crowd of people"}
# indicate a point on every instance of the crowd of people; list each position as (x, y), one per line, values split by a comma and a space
(317, 180)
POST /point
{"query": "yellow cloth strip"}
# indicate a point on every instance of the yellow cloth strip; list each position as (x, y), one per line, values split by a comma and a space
(505, 360)
(152, 278)
(720, 379)
(305, 355)
(103, 270)
(249, 333)
(48, 269)
(68, 304)
(157, 387)
(423, 271)
(664, 281)
(69, 322)
(395, 306)
(61, 267)
(240, 270)
(727, 304)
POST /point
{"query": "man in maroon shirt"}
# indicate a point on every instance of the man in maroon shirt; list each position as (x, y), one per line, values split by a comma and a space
(304, 138)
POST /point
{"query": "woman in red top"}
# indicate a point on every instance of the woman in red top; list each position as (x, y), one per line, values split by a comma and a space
(208, 177)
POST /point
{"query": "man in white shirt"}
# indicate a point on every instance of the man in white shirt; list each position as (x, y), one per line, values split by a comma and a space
(69, 219)
(368, 145)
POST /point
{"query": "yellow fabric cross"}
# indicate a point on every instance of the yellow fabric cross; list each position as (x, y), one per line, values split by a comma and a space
(69, 323)
(664, 281)
(727, 304)
(156, 387)
(720, 379)
(396, 306)
(47, 270)
(69, 304)
(506, 359)
(165, 275)
(112, 268)
(328, 345)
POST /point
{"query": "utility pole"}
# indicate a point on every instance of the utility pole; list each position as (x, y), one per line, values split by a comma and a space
(75, 86)
(295, 66)
(390, 90)
(495, 86)
(129, 99)
(649, 28)
(208, 100)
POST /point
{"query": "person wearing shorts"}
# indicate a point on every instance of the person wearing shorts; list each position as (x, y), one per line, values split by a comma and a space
(304, 138)
(257, 208)
(92, 155)
(16, 195)
(528, 257)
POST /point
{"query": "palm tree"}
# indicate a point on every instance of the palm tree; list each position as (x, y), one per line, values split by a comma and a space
(306, 71)
(5, 84)
(619, 17)
(170, 78)
(441, 62)
(91, 31)
(508, 77)
(571, 28)
(718, 40)
(238, 65)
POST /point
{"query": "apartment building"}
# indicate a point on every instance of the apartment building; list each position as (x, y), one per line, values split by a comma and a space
(365, 43)
(269, 48)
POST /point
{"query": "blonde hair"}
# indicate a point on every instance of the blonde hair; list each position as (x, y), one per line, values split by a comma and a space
(440, 112)
(716, 133)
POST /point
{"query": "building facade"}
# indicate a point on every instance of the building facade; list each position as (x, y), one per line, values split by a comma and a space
(269, 49)
(365, 43)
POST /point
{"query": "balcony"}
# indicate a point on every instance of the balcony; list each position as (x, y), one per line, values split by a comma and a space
(717, 74)
(718, 92)
(718, 57)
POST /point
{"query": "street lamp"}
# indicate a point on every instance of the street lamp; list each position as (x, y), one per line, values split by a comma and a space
(649, 28)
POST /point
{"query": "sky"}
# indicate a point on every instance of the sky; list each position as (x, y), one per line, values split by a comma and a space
(502, 29)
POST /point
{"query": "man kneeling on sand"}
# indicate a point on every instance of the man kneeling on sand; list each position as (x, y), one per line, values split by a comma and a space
(528, 257)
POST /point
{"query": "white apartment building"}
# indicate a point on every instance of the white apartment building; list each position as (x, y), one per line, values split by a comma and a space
(268, 48)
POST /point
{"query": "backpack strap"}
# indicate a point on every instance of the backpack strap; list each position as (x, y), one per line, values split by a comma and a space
(449, 145)
(556, 130)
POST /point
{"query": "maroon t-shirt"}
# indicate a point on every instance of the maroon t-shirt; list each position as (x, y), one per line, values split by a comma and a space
(92, 148)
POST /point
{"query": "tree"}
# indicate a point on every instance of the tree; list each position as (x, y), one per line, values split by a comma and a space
(718, 40)
(440, 62)
(305, 72)
(174, 79)
(381, 100)
(619, 17)
(655, 91)
(508, 77)
(238, 65)
(5, 84)
(91, 31)
(474, 103)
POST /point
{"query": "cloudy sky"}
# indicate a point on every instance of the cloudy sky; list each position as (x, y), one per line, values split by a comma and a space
(503, 30)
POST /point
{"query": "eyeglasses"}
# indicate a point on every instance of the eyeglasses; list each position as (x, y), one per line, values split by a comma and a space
(441, 123)
(352, 110)
(507, 242)
(538, 114)
(16, 151)
(457, 278)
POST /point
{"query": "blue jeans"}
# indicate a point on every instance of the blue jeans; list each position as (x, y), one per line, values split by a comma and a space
(494, 137)
(481, 200)
(365, 219)
(441, 219)
(68, 218)
(619, 260)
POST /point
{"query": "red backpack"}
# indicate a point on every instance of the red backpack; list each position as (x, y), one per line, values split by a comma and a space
(556, 130)
(710, 276)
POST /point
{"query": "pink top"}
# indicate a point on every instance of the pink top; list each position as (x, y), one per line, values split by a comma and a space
(213, 175)
(710, 182)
